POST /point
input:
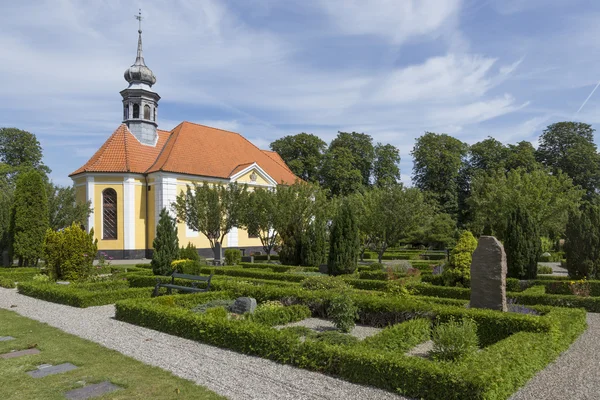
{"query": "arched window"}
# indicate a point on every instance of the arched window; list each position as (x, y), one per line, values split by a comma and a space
(136, 111)
(126, 111)
(147, 112)
(109, 214)
(154, 112)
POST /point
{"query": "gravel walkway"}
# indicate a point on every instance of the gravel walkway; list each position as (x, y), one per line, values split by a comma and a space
(556, 268)
(574, 375)
(230, 374)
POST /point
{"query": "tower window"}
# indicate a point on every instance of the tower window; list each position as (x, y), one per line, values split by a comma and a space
(109, 214)
(136, 111)
(126, 111)
(154, 112)
(146, 111)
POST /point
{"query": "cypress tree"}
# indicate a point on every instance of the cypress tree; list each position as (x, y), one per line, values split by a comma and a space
(29, 218)
(166, 244)
(582, 245)
(314, 243)
(522, 245)
(344, 242)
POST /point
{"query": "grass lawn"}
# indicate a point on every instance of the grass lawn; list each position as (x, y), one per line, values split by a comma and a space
(96, 364)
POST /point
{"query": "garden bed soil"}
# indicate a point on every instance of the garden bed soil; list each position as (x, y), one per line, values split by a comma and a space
(321, 325)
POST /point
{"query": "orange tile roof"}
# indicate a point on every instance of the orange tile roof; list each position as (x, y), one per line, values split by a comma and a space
(188, 149)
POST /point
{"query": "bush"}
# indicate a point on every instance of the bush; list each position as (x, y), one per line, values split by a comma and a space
(335, 338)
(7, 283)
(453, 340)
(544, 270)
(233, 256)
(189, 252)
(272, 316)
(342, 311)
(166, 244)
(522, 245)
(191, 267)
(582, 244)
(458, 269)
(69, 254)
(344, 242)
(402, 337)
(323, 283)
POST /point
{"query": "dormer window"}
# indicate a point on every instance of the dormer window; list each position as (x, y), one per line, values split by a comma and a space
(136, 111)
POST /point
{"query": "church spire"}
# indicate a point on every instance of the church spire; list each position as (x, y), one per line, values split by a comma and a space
(140, 102)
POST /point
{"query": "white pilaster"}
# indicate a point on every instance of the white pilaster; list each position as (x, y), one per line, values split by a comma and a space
(166, 193)
(90, 197)
(232, 237)
(129, 212)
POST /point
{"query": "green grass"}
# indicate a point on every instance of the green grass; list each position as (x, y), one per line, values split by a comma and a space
(96, 364)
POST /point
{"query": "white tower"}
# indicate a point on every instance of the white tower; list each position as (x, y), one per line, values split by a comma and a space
(140, 102)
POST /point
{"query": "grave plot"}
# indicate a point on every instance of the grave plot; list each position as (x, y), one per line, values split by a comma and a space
(65, 366)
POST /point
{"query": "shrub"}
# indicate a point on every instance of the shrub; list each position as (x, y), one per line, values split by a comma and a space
(547, 244)
(458, 269)
(166, 244)
(272, 316)
(189, 252)
(402, 337)
(522, 245)
(344, 242)
(41, 278)
(222, 303)
(376, 266)
(69, 254)
(335, 338)
(583, 243)
(544, 270)
(342, 311)
(191, 267)
(453, 340)
(7, 283)
(216, 312)
(233, 256)
(323, 283)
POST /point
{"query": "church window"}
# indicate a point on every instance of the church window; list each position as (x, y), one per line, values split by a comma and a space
(146, 111)
(136, 111)
(109, 214)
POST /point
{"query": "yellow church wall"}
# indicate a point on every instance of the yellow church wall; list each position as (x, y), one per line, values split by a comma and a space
(140, 215)
(80, 194)
(151, 216)
(103, 244)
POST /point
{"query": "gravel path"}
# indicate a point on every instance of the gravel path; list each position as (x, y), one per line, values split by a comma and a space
(556, 268)
(230, 374)
(574, 375)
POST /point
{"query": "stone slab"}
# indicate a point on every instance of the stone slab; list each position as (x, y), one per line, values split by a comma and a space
(6, 338)
(15, 354)
(90, 391)
(488, 275)
(45, 370)
(243, 305)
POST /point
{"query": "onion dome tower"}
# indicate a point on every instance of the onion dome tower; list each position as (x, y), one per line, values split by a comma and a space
(140, 102)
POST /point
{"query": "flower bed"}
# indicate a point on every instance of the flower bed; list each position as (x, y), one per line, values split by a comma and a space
(515, 346)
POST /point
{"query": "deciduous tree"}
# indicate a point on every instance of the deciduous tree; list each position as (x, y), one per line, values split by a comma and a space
(303, 154)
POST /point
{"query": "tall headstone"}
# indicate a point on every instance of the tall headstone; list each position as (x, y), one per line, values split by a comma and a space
(218, 254)
(488, 275)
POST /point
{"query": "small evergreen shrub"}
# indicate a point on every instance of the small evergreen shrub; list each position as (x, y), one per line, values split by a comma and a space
(335, 338)
(453, 340)
(544, 269)
(342, 311)
(166, 244)
(216, 312)
(323, 283)
(233, 257)
(69, 254)
(186, 266)
(522, 245)
(189, 253)
(344, 242)
(458, 269)
(41, 278)
(582, 244)
(7, 283)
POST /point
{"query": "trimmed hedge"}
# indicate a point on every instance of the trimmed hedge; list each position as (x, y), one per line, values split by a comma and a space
(263, 257)
(7, 283)
(19, 274)
(79, 297)
(216, 283)
(279, 315)
(252, 273)
(525, 346)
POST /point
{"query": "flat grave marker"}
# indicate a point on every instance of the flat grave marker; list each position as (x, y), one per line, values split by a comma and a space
(90, 391)
(46, 370)
(15, 354)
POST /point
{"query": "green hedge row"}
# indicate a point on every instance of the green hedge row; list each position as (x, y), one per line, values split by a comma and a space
(493, 373)
(263, 257)
(139, 280)
(252, 273)
(19, 274)
(76, 297)
(7, 283)
(280, 315)
(278, 267)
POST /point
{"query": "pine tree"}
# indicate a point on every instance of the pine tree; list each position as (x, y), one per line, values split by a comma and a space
(29, 218)
(166, 244)
(582, 243)
(522, 245)
(344, 242)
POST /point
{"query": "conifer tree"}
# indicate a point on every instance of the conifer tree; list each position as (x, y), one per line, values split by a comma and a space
(166, 244)
(522, 245)
(344, 244)
(29, 219)
(314, 243)
(582, 243)
(457, 271)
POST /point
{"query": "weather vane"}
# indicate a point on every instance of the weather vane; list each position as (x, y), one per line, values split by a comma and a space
(139, 18)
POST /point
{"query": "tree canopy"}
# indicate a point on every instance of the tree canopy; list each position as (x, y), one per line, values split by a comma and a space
(303, 154)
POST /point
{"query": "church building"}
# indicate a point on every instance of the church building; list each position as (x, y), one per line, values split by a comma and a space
(140, 169)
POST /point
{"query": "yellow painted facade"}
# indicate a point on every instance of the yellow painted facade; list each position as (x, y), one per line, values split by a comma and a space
(137, 199)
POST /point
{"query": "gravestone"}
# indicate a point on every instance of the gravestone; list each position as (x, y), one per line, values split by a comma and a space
(46, 370)
(6, 338)
(243, 305)
(218, 252)
(15, 354)
(95, 390)
(488, 275)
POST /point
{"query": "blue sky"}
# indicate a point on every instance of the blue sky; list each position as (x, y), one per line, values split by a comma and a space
(269, 68)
